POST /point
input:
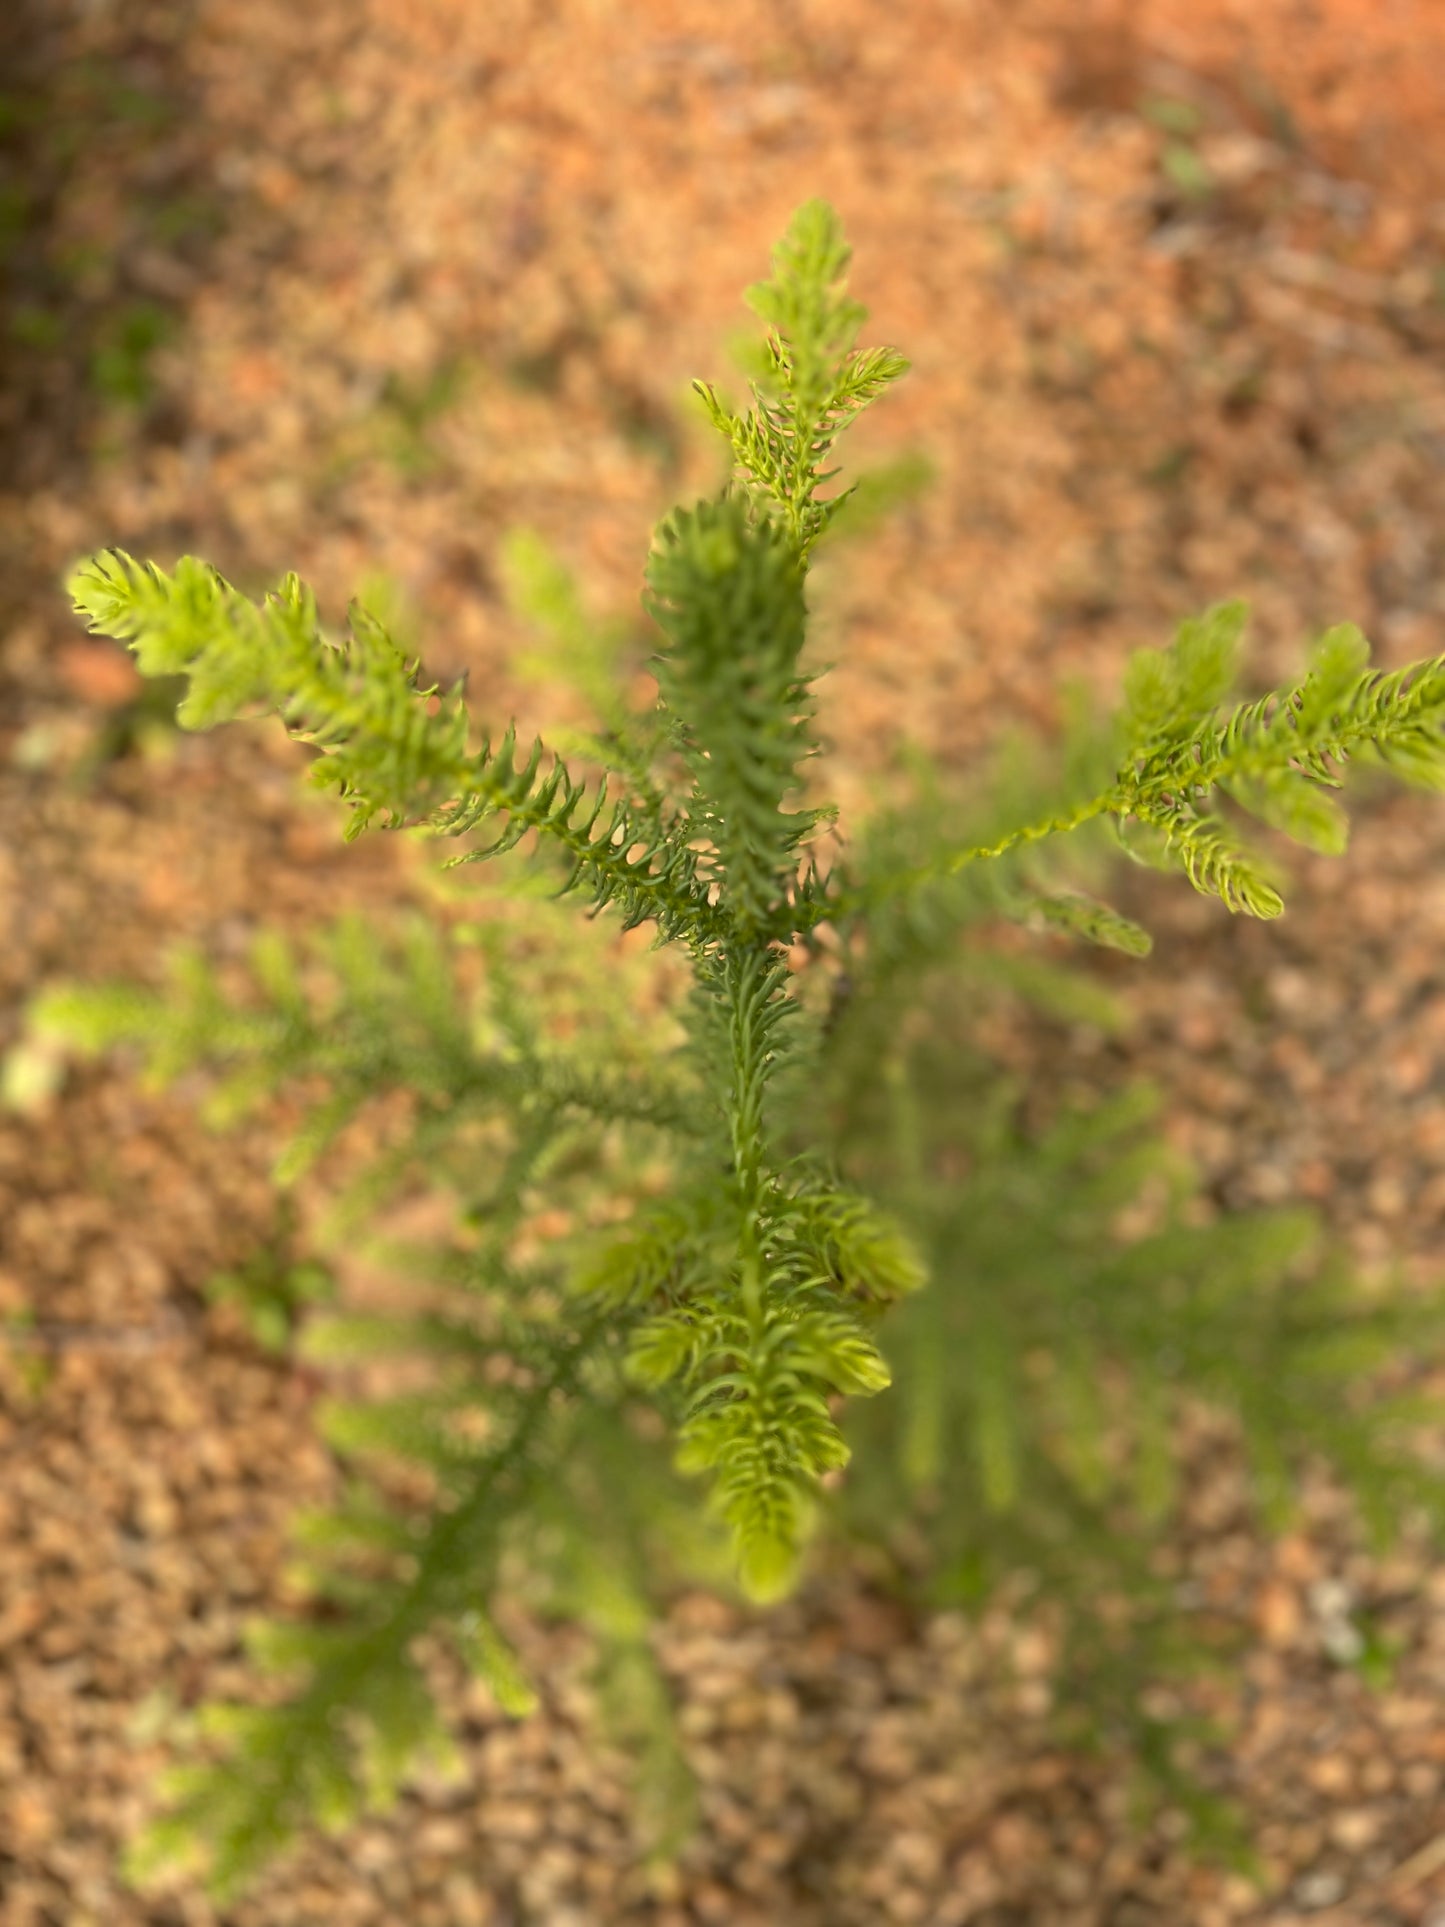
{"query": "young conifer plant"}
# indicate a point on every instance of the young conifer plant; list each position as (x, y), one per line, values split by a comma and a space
(736, 1197)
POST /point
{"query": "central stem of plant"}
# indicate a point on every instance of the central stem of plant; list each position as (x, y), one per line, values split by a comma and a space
(752, 993)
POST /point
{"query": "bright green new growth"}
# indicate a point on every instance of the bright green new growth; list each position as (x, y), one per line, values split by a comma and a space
(743, 1302)
(813, 382)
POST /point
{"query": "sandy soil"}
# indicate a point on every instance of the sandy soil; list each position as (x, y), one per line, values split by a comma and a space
(352, 288)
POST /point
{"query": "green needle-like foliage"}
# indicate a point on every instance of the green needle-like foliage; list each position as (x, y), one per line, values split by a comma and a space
(814, 379)
(1280, 757)
(696, 1225)
(1054, 1451)
(727, 591)
(394, 749)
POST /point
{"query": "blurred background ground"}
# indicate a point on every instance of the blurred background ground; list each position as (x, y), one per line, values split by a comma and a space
(352, 288)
